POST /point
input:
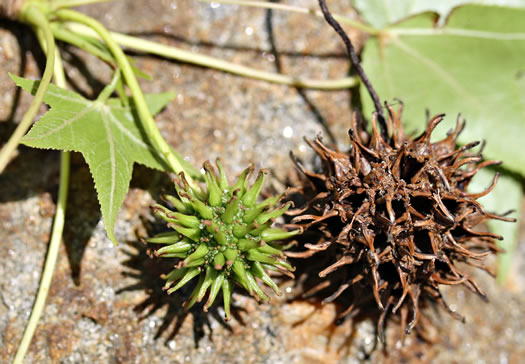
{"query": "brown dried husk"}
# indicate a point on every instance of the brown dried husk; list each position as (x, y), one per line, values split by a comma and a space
(390, 219)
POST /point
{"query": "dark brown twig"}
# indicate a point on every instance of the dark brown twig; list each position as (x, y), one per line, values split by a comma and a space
(355, 61)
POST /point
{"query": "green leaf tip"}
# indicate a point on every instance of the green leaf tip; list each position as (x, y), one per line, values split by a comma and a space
(222, 235)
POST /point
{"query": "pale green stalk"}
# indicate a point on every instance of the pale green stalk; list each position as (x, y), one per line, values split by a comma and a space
(56, 234)
(69, 37)
(297, 9)
(178, 54)
(33, 16)
(62, 4)
(110, 87)
(127, 71)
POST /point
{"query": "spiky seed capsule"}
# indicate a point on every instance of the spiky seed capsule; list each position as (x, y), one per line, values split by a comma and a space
(222, 236)
(393, 217)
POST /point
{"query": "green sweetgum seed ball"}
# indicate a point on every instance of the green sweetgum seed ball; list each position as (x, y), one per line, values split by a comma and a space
(222, 236)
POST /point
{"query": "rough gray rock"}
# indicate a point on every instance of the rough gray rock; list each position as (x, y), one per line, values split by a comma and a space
(105, 304)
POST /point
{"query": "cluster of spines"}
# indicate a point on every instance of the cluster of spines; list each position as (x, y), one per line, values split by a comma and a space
(396, 216)
(223, 236)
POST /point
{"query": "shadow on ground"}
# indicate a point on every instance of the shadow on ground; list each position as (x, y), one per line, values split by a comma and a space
(147, 270)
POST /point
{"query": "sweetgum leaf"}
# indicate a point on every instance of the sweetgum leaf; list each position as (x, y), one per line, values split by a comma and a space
(473, 66)
(107, 134)
(380, 13)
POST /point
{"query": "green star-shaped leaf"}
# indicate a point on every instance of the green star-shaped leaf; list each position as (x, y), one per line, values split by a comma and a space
(108, 134)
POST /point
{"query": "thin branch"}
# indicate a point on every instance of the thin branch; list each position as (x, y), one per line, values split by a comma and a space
(357, 64)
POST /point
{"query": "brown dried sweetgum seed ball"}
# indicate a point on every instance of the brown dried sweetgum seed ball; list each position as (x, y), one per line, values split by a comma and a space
(390, 219)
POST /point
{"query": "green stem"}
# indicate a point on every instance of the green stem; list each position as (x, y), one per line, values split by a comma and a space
(51, 258)
(33, 16)
(54, 243)
(58, 74)
(127, 71)
(121, 90)
(80, 42)
(110, 87)
(211, 62)
(62, 4)
(297, 9)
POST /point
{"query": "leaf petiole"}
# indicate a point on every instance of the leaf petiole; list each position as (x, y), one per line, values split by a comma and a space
(110, 87)
(56, 235)
(178, 54)
(63, 4)
(51, 258)
(33, 16)
(127, 71)
(67, 36)
(121, 90)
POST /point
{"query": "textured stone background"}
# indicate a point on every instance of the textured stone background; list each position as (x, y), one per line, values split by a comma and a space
(105, 303)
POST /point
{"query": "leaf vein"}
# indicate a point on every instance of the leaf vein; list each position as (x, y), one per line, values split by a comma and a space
(65, 123)
(457, 32)
(129, 134)
(75, 100)
(454, 84)
(112, 161)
